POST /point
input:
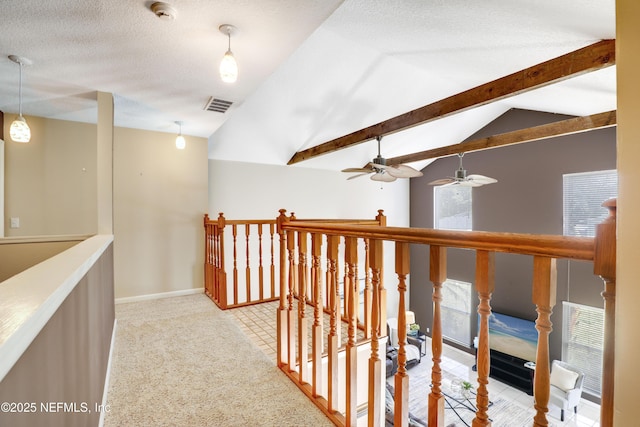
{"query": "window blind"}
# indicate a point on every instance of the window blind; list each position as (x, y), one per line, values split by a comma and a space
(455, 310)
(452, 208)
(583, 342)
(583, 197)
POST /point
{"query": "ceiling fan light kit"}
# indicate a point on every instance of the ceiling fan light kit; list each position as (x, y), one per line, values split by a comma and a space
(383, 172)
(461, 178)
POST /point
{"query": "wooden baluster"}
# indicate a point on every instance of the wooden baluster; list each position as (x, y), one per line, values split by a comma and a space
(604, 265)
(437, 275)
(382, 298)
(303, 351)
(214, 269)
(345, 294)
(234, 230)
(292, 217)
(367, 290)
(316, 333)
(247, 232)
(401, 384)
(222, 273)
(333, 342)
(273, 265)
(544, 297)
(281, 323)
(485, 285)
(291, 321)
(260, 269)
(351, 352)
(375, 402)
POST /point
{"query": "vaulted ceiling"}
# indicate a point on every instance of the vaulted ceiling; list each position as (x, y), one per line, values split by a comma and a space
(310, 70)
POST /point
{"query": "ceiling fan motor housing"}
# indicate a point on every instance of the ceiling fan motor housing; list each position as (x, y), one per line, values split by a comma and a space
(379, 160)
(461, 174)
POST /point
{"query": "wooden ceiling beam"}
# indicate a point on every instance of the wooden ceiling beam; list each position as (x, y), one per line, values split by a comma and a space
(536, 133)
(590, 58)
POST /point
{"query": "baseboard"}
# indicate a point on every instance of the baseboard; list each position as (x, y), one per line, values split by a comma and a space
(105, 392)
(160, 295)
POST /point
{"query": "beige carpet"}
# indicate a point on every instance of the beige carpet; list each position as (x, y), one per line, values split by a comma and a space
(183, 362)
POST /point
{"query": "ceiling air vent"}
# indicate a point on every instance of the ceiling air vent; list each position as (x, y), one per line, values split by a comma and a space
(217, 105)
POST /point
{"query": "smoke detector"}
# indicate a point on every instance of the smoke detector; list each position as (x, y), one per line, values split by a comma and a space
(164, 11)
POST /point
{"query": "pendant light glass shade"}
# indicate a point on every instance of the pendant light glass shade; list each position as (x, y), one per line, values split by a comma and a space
(180, 142)
(228, 68)
(19, 130)
(228, 65)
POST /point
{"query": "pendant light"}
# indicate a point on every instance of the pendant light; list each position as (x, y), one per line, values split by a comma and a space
(19, 130)
(228, 66)
(180, 141)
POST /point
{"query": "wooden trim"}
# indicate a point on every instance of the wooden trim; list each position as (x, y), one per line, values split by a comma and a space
(536, 133)
(581, 248)
(572, 64)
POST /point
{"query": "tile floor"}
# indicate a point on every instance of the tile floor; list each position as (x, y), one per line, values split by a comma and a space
(258, 322)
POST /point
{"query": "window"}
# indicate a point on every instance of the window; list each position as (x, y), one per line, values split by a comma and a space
(583, 342)
(583, 197)
(452, 207)
(455, 310)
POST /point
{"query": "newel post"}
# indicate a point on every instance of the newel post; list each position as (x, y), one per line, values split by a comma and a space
(604, 265)
(281, 322)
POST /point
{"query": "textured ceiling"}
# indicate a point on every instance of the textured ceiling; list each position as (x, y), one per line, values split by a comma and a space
(310, 71)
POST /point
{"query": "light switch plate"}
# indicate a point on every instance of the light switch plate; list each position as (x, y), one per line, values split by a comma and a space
(15, 222)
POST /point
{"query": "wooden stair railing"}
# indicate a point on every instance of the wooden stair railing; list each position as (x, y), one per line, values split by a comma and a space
(252, 248)
(544, 250)
(262, 289)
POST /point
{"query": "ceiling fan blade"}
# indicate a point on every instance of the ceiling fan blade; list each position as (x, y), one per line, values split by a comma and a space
(360, 170)
(383, 177)
(404, 171)
(482, 179)
(359, 175)
(470, 183)
(442, 181)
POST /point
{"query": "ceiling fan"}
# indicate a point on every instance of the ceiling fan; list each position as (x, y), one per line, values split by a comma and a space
(461, 178)
(383, 172)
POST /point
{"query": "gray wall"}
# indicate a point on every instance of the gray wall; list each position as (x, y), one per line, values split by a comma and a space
(67, 361)
(526, 199)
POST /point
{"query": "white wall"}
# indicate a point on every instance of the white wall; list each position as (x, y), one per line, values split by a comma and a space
(160, 198)
(253, 191)
(249, 190)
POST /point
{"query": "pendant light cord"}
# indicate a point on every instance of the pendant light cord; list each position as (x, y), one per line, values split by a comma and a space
(20, 91)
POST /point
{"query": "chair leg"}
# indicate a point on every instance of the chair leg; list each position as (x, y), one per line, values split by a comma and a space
(561, 414)
(575, 409)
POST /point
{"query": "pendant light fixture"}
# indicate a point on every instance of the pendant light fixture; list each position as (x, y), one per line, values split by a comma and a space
(228, 66)
(19, 130)
(180, 141)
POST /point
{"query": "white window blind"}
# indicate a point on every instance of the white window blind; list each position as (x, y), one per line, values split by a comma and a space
(455, 309)
(583, 342)
(583, 197)
(452, 207)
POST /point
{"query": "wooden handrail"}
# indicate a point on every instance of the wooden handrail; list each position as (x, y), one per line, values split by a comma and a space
(579, 248)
